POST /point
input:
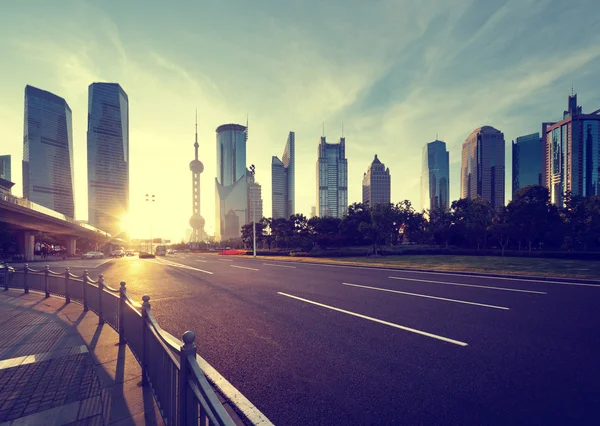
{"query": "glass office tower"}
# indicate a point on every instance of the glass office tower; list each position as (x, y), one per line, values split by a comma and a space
(48, 151)
(283, 181)
(332, 179)
(483, 166)
(571, 154)
(435, 176)
(108, 156)
(526, 161)
(231, 183)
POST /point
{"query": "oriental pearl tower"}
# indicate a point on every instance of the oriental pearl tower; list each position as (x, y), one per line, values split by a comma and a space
(196, 221)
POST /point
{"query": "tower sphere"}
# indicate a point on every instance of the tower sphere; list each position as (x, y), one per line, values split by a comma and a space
(196, 166)
(197, 222)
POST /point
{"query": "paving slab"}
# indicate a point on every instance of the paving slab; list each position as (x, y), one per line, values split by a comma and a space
(59, 366)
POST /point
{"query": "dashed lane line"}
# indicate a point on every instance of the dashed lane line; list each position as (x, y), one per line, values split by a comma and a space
(469, 285)
(429, 297)
(243, 267)
(390, 324)
(279, 266)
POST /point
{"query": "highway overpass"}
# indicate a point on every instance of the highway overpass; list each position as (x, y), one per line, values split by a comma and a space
(27, 218)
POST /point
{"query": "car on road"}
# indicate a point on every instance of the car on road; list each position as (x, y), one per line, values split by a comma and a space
(93, 255)
(161, 250)
(117, 253)
(129, 253)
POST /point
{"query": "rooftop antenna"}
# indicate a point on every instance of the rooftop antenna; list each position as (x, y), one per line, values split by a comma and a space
(342, 129)
(323, 129)
(246, 125)
(572, 90)
(196, 139)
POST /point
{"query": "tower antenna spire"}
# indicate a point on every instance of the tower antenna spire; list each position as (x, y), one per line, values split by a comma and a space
(342, 129)
(196, 138)
(323, 129)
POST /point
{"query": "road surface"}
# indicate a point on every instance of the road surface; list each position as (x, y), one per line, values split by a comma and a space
(319, 345)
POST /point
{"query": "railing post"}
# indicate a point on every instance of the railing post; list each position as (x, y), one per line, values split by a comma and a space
(25, 271)
(145, 309)
(46, 273)
(85, 284)
(67, 297)
(122, 292)
(6, 277)
(186, 409)
(100, 290)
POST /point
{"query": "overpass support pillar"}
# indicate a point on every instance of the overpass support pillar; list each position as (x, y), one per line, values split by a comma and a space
(71, 246)
(26, 244)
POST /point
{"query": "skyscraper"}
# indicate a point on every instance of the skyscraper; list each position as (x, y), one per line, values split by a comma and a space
(526, 161)
(255, 202)
(196, 220)
(108, 156)
(376, 184)
(332, 179)
(231, 182)
(572, 150)
(5, 167)
(48, 151)
(283, 180)
(483, 166)
(435, 176)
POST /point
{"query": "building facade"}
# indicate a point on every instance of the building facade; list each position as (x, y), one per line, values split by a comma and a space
(527, 160)
(5, 167)
(231, 182)
(283, 181)
(255, 202)
(483, 166)
(108, 156)
(332, 179)
(48, 177)
(376, 184)
(571, 154)
(435, 176)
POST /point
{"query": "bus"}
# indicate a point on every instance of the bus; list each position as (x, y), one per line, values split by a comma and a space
(161, 250)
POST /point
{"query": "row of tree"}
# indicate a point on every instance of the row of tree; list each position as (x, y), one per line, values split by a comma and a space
(528, 222)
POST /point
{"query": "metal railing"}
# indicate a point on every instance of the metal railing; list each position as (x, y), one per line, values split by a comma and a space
(169, 366)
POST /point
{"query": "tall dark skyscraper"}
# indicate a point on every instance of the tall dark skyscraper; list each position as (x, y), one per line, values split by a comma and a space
(231, 182)
(283, 181)
(483, 166)
(332, 179)
(435, 176)
(376, 184)
(5, 172)
(571, 154)
(108, 156)
(48, 151)
(526, 161)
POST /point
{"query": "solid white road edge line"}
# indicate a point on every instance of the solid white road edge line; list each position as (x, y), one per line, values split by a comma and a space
(429, 297)
(469, 285)
(279, 266)
(391, 324)
(229, 391)
(243, 267)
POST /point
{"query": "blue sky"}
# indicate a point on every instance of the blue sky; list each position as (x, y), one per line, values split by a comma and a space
(396, 73)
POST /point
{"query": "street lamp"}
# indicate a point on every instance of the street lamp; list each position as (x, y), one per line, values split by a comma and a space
(150, 199)
(253, 172)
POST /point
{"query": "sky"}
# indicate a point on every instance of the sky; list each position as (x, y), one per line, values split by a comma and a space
(395, 73)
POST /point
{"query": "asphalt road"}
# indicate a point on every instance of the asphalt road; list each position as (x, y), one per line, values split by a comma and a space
(317, 344)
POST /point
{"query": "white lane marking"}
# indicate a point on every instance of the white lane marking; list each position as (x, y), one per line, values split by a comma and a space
(200, 260)
(226, 260)
(279, 266)
(459, 275)
(178, 265)
(469, 285)
(429, 297)
(391, 324)
(243, 267)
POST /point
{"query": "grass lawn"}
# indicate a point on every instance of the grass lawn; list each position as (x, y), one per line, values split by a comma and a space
(490, 264)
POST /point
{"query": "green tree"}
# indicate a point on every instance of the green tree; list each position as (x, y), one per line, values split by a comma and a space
(358, 213)
(472, 219)
(441, 226)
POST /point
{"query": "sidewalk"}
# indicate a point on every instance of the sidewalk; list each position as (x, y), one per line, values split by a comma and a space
(58, 366)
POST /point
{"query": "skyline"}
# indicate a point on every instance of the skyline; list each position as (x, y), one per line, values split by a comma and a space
(414, 79)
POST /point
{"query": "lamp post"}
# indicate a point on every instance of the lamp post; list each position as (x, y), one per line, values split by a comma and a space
(150, 199)
(252, 172)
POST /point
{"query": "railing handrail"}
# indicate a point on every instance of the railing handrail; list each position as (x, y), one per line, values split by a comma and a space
(182, 355)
